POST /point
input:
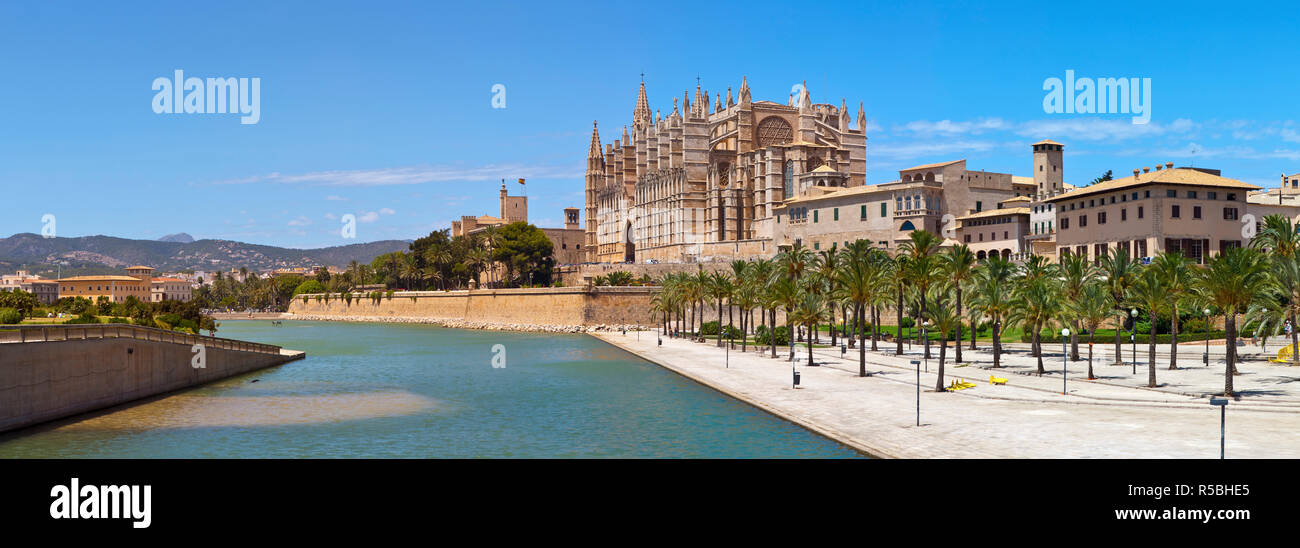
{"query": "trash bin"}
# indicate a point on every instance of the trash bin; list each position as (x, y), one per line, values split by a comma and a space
(796, 378)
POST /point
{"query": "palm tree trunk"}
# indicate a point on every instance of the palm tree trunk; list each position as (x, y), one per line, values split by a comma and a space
(1151, 351)
(720, 323)
(997, 348)
(1091, 335)
(1173, 340)
(957, 346)
(973, 323)
(898, 337)
(744, 335)
(1037, 337)
(773, 324)
(1231, 333)
(1295, 340)
(943, 351)
(875, 327)
(1119, 357)
(810, 356)
(1074, 342)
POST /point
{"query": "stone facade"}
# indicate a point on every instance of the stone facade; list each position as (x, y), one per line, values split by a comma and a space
(704, 182)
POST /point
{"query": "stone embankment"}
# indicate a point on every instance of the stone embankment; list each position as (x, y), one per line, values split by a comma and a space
(468, 324)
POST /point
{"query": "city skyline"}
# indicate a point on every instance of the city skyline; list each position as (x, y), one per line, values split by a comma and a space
(409, 140)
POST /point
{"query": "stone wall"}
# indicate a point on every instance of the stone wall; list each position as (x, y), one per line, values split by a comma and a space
(42, 381)
(556, 306)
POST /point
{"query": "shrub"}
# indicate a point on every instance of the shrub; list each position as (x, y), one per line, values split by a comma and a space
(763, 335)
(119, 319)
(85, 317)
(10, 316)
(709, 328)
(907, 323)
(309, 286)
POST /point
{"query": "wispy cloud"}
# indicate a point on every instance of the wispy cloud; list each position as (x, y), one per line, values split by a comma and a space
(412, 175)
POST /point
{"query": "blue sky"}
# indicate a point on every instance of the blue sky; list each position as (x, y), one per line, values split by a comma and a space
(384, 110)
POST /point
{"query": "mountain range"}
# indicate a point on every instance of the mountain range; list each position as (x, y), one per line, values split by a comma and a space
(107, 254)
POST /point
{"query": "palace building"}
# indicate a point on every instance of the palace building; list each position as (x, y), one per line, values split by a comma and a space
(704, 183)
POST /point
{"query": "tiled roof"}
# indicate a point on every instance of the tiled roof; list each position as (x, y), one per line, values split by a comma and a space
(1176, 176)
(996, 213)
(929, 166)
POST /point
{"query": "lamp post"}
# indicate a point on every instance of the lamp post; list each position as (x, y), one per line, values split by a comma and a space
(1206, 358)
(1065, 359)
(1223, 421)
(1132, 337)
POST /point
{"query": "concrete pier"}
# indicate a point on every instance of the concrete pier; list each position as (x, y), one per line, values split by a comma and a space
(51, 372)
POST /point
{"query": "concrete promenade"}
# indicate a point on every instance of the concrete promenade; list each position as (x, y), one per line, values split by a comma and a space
(1115, 416)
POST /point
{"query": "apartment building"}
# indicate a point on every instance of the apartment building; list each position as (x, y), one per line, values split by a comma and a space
(1196, 211)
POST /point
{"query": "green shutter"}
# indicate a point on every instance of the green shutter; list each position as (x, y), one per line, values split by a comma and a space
(882, 210)
(814, 215)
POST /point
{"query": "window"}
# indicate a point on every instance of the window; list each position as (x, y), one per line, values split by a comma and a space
(882, 209)
(1212, 195)
(1229, 213)
(1101, 217)
(1147, 194)
(1135, 195)
(1123, 215)
(815, 215)
(1191, 194)
(1171, 193)
(816, 245)
(968, 238)
(897, 206)
(864, 212)
(1112, 199)
(1232, 197)
(1175, 212)
(1196, 212)
(836, 213)
(979, 206)
(1065, 223)
(1140, 216)
(1123, 197)
(1083, 221)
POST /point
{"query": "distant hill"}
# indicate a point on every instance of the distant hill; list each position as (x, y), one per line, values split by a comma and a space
(103, 254)
(179, 238)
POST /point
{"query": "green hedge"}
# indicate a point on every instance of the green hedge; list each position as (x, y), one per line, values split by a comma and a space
(1142, 338)
(10, 316)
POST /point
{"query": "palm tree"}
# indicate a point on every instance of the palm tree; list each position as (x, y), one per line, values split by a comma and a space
(719, 288)
(1230, 282)
(825, 264)
(410, 270)
(855, 283)
(1035, 305)
(944, 317)
(994, 298)
(1149, 293)
(810, 310)
(920, 248)
(1280, 237)
(1075, 272)
(1177, 274)
(1092, 308)
(899, 282)
(1119, 271)
(959, 265)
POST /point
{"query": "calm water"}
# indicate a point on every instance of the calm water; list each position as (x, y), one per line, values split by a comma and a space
(391, 390)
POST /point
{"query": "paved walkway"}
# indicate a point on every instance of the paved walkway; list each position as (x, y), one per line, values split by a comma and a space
(1113, 417)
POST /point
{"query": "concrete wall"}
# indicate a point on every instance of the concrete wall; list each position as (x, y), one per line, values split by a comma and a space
(42, 381)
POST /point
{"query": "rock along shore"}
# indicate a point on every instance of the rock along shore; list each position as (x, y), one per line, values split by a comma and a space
(466, 324)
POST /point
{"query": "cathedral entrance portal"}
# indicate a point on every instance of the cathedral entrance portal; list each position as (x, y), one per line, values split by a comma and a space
(629, 251)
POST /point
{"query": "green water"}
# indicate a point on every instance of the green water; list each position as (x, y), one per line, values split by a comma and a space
(392, 390)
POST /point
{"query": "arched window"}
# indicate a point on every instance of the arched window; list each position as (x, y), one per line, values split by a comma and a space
(789, 179)
(907, 225)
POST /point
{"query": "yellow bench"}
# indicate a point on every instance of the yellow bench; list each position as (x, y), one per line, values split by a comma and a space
(1283, 355)
(996, 380)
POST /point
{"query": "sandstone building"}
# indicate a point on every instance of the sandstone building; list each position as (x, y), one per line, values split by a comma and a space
(704, 182)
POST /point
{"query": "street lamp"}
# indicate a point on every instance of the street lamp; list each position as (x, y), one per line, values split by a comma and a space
(1223, 418)
(1132, 337)
(1206, 358)
(1065, 359)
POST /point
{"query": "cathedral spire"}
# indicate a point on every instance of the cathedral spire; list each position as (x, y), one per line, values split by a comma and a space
(625, 138)
(862, 118)
(805, 99)
(730, 102)
(744, 91)
(642, 112)
(594, 151)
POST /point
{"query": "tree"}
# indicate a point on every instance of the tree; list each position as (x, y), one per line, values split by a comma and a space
(922, 267)
(1107, 176)
(719, 288)
(943, 313)
(1119, 271)
(809, 311)
(1149, 293)
(1280, 236)
(1076, 272)
(959, 265)
(1230, 282)
(526, 248)
(1035, 305)
(1177, 275)
(993, 298)
(1092, 308)
(855, 283)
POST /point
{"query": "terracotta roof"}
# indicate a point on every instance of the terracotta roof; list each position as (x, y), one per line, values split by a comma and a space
(1021, 180)
(1175, 176)
(100, 278)
(1017, 199)
(996, 213)
(1048, 142)
(928, 166)
(862, 189)
(824, 169)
